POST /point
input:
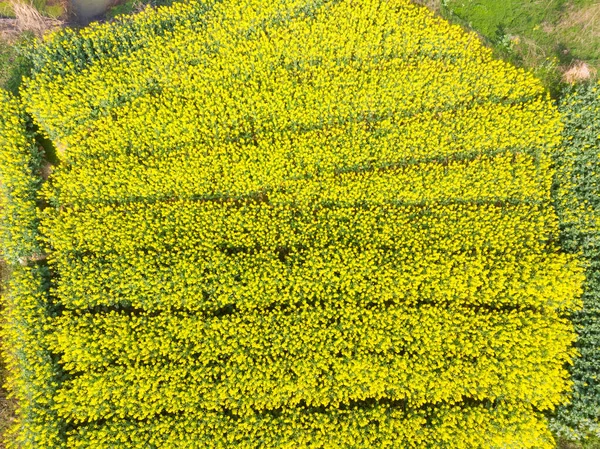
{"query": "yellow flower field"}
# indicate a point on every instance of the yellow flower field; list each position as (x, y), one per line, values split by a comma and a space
(292, 224)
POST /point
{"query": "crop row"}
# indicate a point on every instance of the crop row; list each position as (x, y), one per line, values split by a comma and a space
(260, 54)
(510, 174)
(33, 374)
(95, 342)
(20, 163)
(205, 256)
(175, 226)
(461, 426)
(258, 361)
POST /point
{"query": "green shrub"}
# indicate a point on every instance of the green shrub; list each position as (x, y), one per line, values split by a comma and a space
(578, 203)
(15, 62)
(133, 6)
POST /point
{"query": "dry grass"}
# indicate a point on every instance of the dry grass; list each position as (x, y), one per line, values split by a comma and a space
(29, 19)
(529, 49)
(587, 19)
(434, 5)
(578, 71)
(7, 414)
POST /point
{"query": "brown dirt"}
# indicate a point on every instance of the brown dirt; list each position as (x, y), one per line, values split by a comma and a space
(434, 5)
(9, 30)
(46, 170)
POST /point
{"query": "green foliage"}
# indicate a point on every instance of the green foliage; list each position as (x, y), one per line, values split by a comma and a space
(133, 6)
(15, 61)
(578, 201)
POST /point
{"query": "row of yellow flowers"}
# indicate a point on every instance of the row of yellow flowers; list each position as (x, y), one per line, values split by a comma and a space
(259, 361)
(31, 371)
(202, 256)
(367, 425)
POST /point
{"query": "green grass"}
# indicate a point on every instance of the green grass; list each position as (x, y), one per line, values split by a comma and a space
(8, 55)
(132, 6)
(536, 29)
(546, 36)
(591, 443)
(13, 62)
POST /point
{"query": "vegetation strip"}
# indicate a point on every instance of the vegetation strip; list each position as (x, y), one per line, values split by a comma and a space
(445, 248)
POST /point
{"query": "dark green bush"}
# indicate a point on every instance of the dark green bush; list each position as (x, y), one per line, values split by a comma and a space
(578, 202)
